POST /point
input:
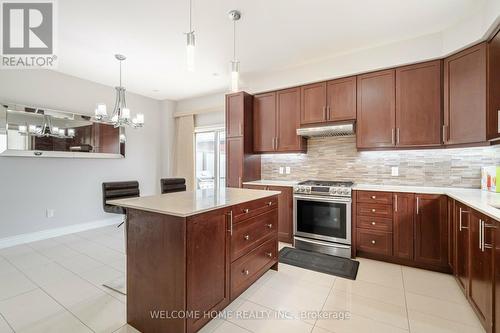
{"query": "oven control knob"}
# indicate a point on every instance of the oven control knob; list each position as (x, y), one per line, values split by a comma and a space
(333, 190)
(307, 189)
(346, 191)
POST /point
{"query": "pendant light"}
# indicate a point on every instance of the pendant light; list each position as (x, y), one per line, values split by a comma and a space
(191, 41)
(235, 15)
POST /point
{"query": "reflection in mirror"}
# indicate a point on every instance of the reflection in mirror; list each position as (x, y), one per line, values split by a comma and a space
(42, 130)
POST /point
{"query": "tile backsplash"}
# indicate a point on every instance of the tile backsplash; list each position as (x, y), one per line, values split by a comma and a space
(337, 159)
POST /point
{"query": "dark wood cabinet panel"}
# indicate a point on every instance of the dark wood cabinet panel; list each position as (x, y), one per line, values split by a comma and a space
(285, 215)
(418, 104)
(461, 230)
(234, 115)
(465, 96)
(264, 122)
(234, 156)
(374, 242)
(481, 269)
(288, 117)
(494, 87)
(313, 103)
(403, 225)
(431, 230)
(208, 265)
(496, 276)
(341, 99)
(376, 110)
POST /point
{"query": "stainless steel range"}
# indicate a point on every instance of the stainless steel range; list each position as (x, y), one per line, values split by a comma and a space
(322, 217)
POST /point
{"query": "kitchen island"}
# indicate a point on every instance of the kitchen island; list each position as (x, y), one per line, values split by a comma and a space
(189, 254)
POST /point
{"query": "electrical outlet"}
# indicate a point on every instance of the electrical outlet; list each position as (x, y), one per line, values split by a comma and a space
(287, 170)
(49, 213)
(395, 171)
(282, 170)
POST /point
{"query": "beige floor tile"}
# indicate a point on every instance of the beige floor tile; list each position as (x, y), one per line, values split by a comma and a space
(227, 327)
(119, 264)
(308, 276)
(4, 327)
(458, 312)
(383, 312)
(432, 284)
(127, 329)
(268, 320)
(29, 309)
(355, 324)
(371, 290)
(424, 323)
(60, 251)
(44, 244)
(318, 329)
(6, 267)
(14, 251)
(385, 274)
(212, 325)
(13, 284)
(102, 313)
(49, 274)
(28, 260)
(79, 264)
(60, 322)
(101, 274)
(72, 291)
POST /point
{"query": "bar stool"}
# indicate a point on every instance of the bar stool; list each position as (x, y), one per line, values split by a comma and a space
(169, 185)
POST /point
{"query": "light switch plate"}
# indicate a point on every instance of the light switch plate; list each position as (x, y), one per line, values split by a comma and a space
(282, 170)
(287, 170)
(395, 171)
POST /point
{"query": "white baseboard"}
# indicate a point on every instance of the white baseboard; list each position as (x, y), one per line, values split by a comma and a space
(50, 233)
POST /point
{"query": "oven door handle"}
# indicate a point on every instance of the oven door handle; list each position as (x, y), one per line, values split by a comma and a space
(322, 199)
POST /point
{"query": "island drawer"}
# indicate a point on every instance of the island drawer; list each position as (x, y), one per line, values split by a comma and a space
(252, 232)
(250, 209)
(375, 197)
(372, 241)
(247, 269)
(374, 223)
(374, 210)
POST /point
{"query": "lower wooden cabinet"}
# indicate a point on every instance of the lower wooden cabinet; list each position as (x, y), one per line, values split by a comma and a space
(403, 225)
(461, 242)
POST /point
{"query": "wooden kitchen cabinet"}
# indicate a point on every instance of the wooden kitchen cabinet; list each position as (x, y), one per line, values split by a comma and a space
(493, 123)
(431, 230)
(376, 110)
(418, 104)
(313, 104)
(462, 230)
(241, 163)
(481, 268)
(264, 122)
(465, 96)
(341, 99)
(403, 225)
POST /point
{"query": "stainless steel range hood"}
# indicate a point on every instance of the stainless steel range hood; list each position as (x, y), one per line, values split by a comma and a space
(341, 129)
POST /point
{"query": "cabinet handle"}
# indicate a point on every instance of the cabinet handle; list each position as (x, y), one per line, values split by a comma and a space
(328, 112)
(277, 143)
(397, 136)
(489, 226)
(396, 203)
(269, 225)
(246, 210)
(247, 237)
(392, 137)
(460, 226)
(269, 254)
(270, 203)
(245, 272)
(239, 182)
(374, 210)
(444, 134)
(480, 234)
(230, 230)
(373, 223)
(324, 112)
(373, 242)
(374, 197)
(240, 129)
(418, 205)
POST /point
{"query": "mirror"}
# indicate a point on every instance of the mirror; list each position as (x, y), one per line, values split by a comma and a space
(41, 132)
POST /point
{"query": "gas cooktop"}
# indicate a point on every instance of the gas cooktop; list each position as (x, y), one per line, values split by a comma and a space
(324, 187)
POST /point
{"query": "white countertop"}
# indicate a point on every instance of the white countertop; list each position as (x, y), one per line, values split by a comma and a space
(263, 182)
(475, 198)
(184, 204)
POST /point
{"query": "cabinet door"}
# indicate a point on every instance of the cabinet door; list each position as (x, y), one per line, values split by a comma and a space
(376, 110)
(418, 105)
(341, 99)
(313, 104)
(465, 96)
(494, 88)
(208, 265)
(403, 232)
(234, 115)
(234, 170)
(264, 122)
(289, 120)
(431, 230)
(285, 213)
(462, 229)
(481, 269)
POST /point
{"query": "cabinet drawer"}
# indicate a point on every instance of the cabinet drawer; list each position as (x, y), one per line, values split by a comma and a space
(250, 209)
(373, 241)
(251, 266)
(375, 197)
(374, 210)
(251, 232)
(374, 223)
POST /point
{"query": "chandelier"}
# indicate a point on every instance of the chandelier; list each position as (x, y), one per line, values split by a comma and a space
(121, 114)
(46, 130)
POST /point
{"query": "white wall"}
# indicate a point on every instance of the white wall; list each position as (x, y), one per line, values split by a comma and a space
(73, 186)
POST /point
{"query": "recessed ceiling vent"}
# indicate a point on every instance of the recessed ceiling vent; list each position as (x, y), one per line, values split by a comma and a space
(326, 131)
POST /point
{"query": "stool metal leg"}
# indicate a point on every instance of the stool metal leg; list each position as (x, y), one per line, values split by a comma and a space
(120, 285)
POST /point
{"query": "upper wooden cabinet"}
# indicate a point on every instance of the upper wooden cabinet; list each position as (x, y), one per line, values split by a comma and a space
(376, 110)
(328, 101)
(465, 96)
(276, 119)
(493, 121)
(418, 104)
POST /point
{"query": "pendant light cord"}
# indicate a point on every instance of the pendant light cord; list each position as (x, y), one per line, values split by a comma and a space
(190, 15)
(120, 73)
(234, 40)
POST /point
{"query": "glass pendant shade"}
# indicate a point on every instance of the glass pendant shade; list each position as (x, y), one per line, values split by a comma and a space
(190, 46)
(235, 76)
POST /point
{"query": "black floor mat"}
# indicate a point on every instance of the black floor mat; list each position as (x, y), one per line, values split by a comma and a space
(320, 262)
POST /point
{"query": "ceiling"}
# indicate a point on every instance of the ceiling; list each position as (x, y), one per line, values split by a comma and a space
(272, 35)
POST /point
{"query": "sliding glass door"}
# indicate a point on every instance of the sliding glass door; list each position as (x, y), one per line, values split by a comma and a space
(210, 164)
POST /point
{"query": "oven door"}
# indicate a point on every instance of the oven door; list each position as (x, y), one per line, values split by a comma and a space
(323, 218)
